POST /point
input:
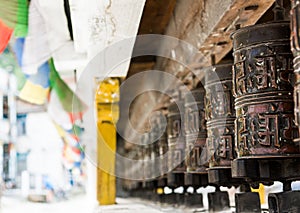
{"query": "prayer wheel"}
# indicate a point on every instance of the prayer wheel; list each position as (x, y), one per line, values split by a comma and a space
(163, 149)
(220, 115)
(295, 45)
(151, 156)
(176, 143)
(147, 157)
(195, 131)
(263, 88)
(154, 145)
(176, 138)
(264, 80)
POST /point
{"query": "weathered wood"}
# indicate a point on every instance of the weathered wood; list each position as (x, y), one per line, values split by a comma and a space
(139, 67)
(208, 25)
(156, 16)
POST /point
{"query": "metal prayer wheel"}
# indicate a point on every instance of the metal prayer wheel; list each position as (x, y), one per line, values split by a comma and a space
(155, 159)
(136, 171)
(176, 139)
(195, 131)
(295, 45)
(148, 156)
(154, 144)
(220, 115)
(143, 154)
(163, 149)
(263, 90)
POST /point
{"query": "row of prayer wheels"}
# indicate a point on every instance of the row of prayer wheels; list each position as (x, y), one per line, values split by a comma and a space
(240, 125)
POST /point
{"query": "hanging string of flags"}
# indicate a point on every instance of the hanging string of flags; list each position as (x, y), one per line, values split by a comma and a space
(40, 40)
(27, 47)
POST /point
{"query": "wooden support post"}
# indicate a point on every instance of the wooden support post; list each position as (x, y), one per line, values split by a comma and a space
(107, 98)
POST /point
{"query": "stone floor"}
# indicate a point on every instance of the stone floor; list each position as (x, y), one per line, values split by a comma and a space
(14, 203)
(78, 204)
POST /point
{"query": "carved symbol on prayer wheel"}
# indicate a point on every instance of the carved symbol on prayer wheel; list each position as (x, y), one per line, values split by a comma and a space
(195, 131)
(176, 139)
(263, 88)
(220, 115)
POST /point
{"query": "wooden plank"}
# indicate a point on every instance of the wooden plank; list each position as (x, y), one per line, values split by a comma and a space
(210, 25)
(156, 16)
(139, 67)
(243, 13)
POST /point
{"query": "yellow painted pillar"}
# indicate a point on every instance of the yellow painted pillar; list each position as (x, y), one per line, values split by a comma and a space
(107, 98)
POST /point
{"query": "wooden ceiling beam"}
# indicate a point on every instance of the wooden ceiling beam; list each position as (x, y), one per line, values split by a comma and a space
(208, 25)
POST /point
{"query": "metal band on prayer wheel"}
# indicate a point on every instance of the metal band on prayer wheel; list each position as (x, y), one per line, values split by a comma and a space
(295, 44)
(263, 76)
(195, 131)
(220, 115)
(176, 139)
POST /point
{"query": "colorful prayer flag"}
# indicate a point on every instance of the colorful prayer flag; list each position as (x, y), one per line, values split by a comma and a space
(36, 88)
(71, 103)
(14, 13)
(5, 34)
(9, 63)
